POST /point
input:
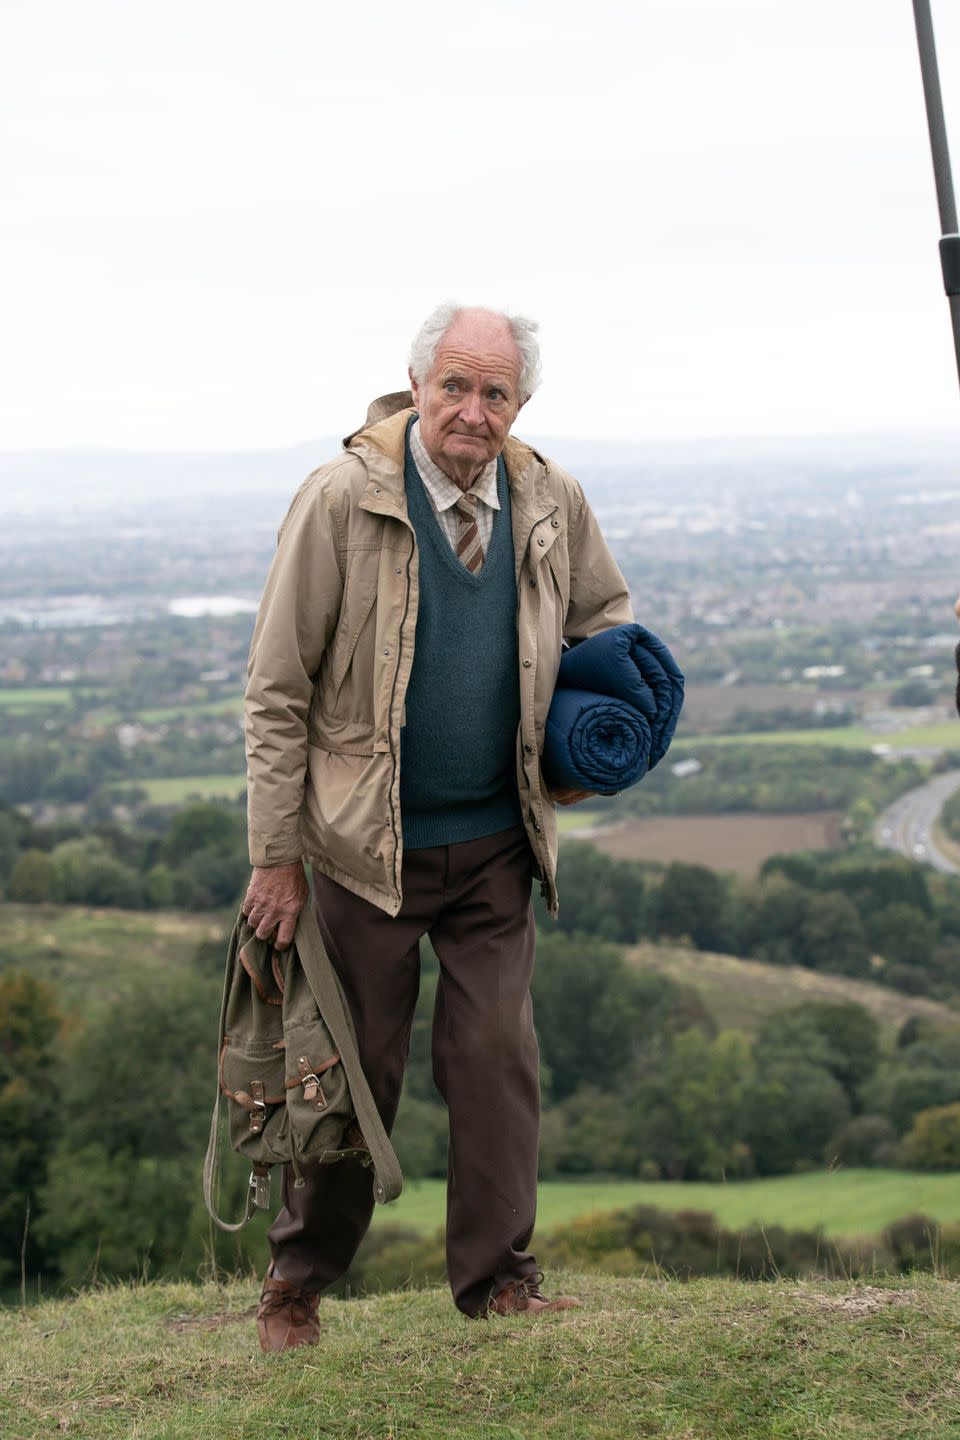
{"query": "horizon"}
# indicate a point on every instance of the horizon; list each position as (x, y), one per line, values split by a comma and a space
(929, 434)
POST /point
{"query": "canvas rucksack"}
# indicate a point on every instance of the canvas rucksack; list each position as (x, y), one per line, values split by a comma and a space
(288, 1066)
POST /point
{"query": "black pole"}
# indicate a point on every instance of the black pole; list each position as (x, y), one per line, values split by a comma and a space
(949, 239)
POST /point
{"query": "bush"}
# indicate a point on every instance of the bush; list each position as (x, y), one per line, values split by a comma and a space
(420, 1138)
(914, 1242)
(933, 1142)
(864, 1140)
(685, 1243)
(392, 1257)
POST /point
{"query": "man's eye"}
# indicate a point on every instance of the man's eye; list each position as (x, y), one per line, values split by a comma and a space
(451, 387)
(494, 394)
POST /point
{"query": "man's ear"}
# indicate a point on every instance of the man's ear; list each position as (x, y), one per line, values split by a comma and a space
(414, 389)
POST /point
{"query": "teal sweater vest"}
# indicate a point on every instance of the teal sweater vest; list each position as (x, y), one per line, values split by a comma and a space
(458, 745)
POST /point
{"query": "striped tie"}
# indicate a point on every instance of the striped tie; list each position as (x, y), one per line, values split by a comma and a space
(469, 548)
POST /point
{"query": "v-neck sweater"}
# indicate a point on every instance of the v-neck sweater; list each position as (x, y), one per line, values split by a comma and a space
(458, 744)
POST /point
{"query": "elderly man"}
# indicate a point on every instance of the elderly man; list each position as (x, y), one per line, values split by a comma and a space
(401, 671)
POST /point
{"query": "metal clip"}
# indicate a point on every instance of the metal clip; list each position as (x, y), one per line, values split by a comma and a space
(312, 1089)
(260, 1185)
(258, 1115)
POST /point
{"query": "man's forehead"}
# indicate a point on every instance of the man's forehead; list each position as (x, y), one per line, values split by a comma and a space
(498, 360)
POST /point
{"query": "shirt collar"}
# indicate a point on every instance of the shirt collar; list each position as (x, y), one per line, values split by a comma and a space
(445, 493)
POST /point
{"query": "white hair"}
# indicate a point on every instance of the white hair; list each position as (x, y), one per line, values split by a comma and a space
(423, 351)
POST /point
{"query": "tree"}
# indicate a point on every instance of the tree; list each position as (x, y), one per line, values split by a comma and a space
(901, 1091)
(601, 896)
(790, 1112)
(832, 938)
(903, 935)
(863, 1140)
(33, 878)
(87, 874)
(115, 1216)
(141, 1073)
(773, 911)
(204, 827)
(15, 835)
(31, 1027)
(707, 1081)
(694, 901)
(843, 1037)
(592, 1013)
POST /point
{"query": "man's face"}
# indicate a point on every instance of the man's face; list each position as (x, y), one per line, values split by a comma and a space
(471, 398)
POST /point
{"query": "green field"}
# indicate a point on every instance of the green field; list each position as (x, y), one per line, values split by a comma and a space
(22, 701)
(233, 705)
(843, 1202)
(574, 817)
(943, 736)
(176, 790)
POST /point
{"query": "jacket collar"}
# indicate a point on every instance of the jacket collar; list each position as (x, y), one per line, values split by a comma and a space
(380, 444)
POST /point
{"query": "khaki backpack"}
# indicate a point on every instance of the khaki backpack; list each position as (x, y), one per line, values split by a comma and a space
(288, 1066)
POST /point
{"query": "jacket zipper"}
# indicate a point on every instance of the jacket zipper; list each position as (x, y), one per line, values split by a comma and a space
(539, 848)
(395, 749)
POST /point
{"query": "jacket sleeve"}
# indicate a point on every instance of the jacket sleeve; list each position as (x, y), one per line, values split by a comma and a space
(298, 615)
(599, 597)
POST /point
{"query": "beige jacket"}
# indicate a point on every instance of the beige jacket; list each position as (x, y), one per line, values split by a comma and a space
(333, 647)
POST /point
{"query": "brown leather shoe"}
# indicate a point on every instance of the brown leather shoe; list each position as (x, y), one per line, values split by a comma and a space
(525, 1296)
(287, 1315)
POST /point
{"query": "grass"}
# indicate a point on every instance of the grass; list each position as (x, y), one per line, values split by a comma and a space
(842, 1202)
(942, 736)
(945, 843)
(175, 790)
(645, 1358)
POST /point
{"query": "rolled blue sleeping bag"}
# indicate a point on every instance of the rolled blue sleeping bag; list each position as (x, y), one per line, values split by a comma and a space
(614, 711)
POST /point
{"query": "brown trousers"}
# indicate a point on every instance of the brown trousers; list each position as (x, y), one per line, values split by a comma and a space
(473, 900)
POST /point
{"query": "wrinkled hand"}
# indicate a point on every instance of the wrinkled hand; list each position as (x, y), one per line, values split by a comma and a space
(274, 898)
(566, 796)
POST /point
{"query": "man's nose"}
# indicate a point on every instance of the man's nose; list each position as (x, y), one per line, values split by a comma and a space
(471, 411)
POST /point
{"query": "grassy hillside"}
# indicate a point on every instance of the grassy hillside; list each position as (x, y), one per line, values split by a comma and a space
(709, 1360)
(93, 955)
(89, 954)
(741, 993)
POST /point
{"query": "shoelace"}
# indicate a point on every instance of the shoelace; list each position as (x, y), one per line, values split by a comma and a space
(298, 1302)
(528, 1289)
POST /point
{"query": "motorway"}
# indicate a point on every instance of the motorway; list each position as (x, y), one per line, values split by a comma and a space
(907, 826)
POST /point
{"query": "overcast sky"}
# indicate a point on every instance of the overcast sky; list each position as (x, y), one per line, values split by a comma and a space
(222, 222)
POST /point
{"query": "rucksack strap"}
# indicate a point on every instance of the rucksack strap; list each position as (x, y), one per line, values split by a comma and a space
(211, 1162)
(322, 979)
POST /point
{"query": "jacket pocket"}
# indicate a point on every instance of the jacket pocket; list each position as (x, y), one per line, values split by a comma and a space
(345, 820)
(357, 606)
(340, 735)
